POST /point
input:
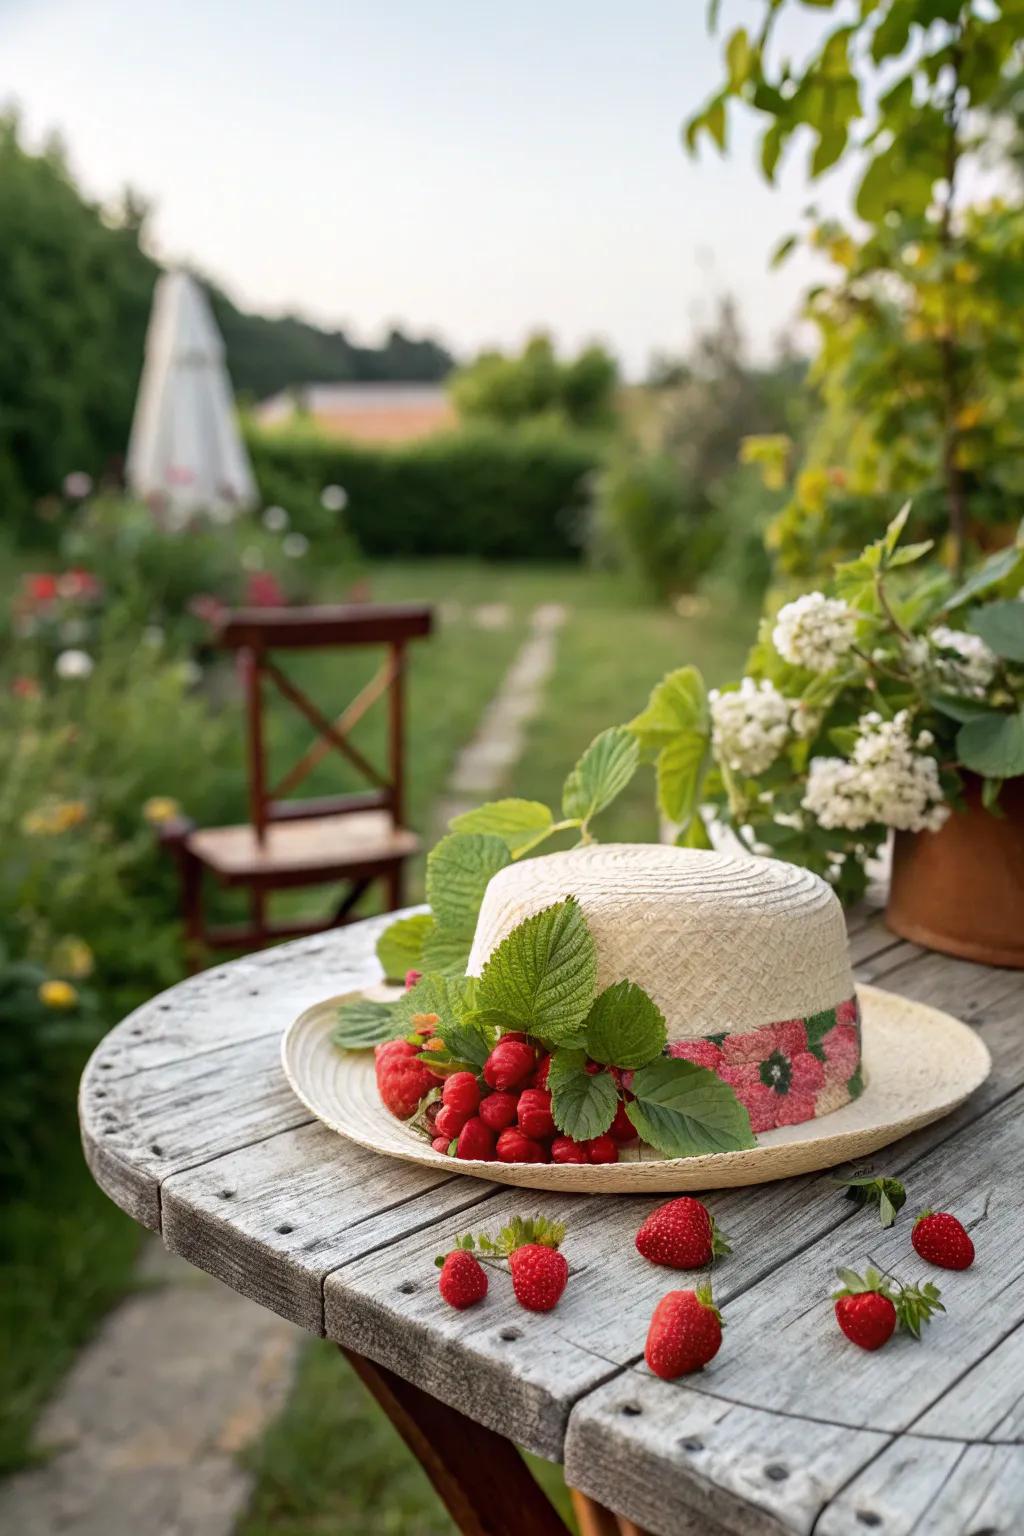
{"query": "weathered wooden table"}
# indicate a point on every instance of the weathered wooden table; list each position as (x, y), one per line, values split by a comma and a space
(190, 1127)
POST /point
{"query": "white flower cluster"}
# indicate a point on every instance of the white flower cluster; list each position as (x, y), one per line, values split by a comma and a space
(749, 727)
(889, 779)
(962, 662)
(815, 631)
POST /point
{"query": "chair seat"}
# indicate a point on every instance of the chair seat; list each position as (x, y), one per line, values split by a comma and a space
(315, 846)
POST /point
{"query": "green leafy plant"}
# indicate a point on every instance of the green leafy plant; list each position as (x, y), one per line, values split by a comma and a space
(861, 709)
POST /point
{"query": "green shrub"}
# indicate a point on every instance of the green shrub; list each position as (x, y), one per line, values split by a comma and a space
(654, 524)
(500, 493)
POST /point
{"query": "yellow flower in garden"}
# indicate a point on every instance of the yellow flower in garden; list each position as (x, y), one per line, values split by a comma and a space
(72, 957)
(58, 994)
(160, 808)
(53, 819)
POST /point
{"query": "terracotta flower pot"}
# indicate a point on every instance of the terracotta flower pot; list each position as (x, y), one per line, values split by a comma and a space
(961, 890)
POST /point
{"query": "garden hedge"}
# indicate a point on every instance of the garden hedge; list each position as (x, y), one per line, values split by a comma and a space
(496, 492)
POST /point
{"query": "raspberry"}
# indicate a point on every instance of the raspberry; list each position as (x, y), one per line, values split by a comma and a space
(515, 1147)
(509, 1064)
(430, 1115)
(565, 1150)
(441, 1144)
(622, 1128)
(460, 1092)
(449, 1121)
(463, 1280)
(534, 1114)
(498, 1110)
(602, 1149)
(402, 1078)
(476, 1141)
(540, 1077)
(411, 978)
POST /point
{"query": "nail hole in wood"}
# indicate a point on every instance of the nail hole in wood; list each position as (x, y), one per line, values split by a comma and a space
(693, 1446)
(776, 1473)
(407, 1287)
(105, 1066)
(156, 1149)
(509, 1335)
(255, 992)
(631, 1410)
(164, 1007)
(285, 1228)
(135, 1032)
(868, 1517)
(100, 1093)
(227, 1194)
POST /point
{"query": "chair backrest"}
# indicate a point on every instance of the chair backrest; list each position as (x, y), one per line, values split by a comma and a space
(255, 633)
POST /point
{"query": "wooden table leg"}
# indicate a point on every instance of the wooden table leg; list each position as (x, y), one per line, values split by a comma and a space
(481, 1478)
(594, 1520)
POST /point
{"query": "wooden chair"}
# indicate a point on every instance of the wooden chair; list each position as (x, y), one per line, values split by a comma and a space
(357, 838)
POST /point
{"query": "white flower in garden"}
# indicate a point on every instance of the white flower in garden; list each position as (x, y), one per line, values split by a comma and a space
(815, 631)
(886, 780)
(77, 484)
(963, 662)
(333, 498)
(749, 726)
(73, 665)
(295, 545)
(276, 519)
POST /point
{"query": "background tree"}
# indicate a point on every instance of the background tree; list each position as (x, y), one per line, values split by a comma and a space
(510, 388)
(922, 332)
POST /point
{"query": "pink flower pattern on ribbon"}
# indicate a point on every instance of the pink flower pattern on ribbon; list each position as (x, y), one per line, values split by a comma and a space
(786, 1073)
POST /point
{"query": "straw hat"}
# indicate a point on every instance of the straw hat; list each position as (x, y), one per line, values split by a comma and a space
(747, 960)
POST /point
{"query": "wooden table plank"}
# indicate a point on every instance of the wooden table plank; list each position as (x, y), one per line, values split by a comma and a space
(920, 1487)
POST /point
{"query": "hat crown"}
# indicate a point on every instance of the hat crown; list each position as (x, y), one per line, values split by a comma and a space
(721, 942)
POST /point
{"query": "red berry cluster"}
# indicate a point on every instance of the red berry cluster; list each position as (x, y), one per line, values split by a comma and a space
(504, 1114)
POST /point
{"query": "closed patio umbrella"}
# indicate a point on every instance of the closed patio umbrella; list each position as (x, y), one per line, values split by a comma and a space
(186, 454)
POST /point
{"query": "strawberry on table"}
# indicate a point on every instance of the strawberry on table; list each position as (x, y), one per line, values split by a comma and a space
(402, 1078)
(869, 1309)
(943, 1240)
(681, 1235)
(685, 1333)
(539, 1276)
(463, 1279)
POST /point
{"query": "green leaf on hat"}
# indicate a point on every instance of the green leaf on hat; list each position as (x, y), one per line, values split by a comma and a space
(687, 1111)
(625, 1027)
(519, 823)
(469, 1039)
(446, 950)
(603, 772)
(541, 976)
(400, 947)
(448, 997)
(582, 1103)
(363, 1024)
(458, 872)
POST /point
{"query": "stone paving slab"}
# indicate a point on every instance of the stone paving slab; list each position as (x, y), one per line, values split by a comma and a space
(144, 1434)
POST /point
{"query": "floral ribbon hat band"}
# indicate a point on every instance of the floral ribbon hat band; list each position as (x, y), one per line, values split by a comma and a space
(630, 1016)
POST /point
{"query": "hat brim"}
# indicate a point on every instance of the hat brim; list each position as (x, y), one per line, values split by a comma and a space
(918, 1064)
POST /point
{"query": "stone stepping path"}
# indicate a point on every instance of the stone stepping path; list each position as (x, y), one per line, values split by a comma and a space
(143, 1437)
(483, 764)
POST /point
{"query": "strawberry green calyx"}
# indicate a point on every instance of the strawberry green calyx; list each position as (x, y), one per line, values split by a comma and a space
(719, 1242)
(520, 1232)
(888, 1194)
(704, 1296)
(915, 1305)
(858, 1285)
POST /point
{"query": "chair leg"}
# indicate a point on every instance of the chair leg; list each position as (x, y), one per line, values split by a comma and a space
(394, 885)
(192, 909)
(481, 1478)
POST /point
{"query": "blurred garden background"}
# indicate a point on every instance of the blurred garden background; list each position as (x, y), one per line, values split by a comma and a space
(662, 501)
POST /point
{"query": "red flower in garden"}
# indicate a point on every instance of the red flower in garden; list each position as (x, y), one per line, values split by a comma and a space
(263, 590)
(41, 587)
(207, 608)
(78, 583)
(25, 688)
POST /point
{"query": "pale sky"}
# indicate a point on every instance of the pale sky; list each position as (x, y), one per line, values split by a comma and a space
(468, 169)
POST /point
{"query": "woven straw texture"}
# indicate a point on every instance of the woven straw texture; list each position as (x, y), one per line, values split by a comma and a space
(919, 1064)
(721, 943)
